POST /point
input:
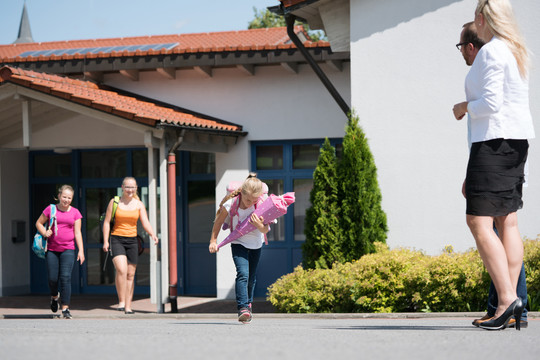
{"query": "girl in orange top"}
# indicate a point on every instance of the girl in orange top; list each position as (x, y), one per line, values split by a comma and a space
(123, 240)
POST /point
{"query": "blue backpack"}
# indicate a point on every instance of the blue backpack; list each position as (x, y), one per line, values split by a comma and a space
(39, 247)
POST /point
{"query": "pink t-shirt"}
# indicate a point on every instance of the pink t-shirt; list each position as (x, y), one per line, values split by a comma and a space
(64, 239)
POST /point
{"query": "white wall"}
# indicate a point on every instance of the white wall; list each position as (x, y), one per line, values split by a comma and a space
(406, 75)
(272, 104)
(14, 200)
(79, 131)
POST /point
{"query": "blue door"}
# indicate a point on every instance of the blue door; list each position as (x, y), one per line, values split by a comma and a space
(96, 176)
(196, 266)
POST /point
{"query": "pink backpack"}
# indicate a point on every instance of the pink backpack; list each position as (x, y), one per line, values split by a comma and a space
(233, 211)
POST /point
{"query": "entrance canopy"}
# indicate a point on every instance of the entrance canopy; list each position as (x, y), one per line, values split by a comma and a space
(40, 101)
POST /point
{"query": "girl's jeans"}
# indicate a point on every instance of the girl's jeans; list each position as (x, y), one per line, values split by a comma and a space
(246, 262)
(60, 266)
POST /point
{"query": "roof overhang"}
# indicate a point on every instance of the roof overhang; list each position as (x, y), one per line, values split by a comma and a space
(166, 65)
(28, 105)
(332, 16)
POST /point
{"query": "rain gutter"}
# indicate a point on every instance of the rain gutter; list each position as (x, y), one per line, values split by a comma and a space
(290, 19)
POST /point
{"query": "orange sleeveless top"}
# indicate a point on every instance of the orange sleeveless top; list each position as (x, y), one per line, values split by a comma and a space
(125, 222)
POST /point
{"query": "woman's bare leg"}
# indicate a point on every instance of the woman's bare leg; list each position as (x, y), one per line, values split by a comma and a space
(130, 284)
(121, 266)
(495, 258)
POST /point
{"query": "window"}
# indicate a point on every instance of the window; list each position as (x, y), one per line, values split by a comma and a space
(104, 164)
(285, 167)
(269, 157)
(52, 165)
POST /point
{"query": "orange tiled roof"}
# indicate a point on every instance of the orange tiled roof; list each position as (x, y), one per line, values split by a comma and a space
(244, 40)
(91, 95)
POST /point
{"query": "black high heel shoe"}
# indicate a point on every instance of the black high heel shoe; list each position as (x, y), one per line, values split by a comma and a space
(515, 309)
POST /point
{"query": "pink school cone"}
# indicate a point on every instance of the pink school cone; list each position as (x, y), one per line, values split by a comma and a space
(270, 209)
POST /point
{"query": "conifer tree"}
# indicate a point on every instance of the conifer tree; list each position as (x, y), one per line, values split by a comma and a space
(362, 220)
(322, 246)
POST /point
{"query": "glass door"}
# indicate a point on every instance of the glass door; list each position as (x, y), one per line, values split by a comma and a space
(99, 269)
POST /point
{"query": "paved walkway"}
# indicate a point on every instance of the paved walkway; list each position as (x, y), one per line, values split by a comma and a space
(207, 328)
(85, 306)
(104, 306)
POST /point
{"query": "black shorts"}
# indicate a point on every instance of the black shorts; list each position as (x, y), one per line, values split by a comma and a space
(127, 246)
(495, 177)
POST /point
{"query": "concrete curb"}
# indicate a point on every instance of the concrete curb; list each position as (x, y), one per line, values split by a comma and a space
(232, 316)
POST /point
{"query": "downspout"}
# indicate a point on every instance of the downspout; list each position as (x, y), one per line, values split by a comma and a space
(290, 19)
(171, 191)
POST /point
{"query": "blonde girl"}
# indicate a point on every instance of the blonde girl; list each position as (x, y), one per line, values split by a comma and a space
(62, 237)
(246, 250)
(123, 240)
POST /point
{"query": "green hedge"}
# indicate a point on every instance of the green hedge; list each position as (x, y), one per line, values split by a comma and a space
(400, 280)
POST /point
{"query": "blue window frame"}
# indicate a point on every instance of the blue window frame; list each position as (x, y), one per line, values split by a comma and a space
(285, 166)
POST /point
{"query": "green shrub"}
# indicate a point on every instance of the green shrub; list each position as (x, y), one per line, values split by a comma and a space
(362, 220)
(401, 280)
(323, 236)
(531, 258)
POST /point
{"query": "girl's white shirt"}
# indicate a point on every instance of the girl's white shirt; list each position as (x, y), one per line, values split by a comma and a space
(251, 240)
(498, 96)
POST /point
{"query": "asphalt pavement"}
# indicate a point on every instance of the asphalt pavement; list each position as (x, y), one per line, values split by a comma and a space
(206, 328)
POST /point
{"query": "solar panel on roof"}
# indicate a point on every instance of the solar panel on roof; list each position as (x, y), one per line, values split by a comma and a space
(95, 50)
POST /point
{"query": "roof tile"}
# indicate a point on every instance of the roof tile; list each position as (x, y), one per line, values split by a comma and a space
(91, 95)
(243, 40)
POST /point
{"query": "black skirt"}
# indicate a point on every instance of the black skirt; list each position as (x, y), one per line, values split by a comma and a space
(495, 177)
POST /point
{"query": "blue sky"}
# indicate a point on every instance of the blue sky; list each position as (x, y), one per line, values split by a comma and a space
(55, 20)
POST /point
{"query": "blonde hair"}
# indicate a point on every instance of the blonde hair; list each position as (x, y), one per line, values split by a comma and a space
(500, 20)
(252, 186)
(127, 178)
(62, 188)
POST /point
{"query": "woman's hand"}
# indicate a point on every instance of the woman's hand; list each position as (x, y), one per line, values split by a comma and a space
(105, 246)
(48, 233)
(460, 110)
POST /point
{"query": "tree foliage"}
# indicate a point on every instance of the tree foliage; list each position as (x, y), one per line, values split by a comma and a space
(322, 246)
(266, 19)
(345, 218)
(363, 221)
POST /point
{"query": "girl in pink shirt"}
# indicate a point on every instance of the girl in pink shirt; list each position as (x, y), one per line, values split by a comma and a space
(61, 239)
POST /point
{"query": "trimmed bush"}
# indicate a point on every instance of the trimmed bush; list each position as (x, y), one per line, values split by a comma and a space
(401, 280)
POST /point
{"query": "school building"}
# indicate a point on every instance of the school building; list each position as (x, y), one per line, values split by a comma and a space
(185, 115)
(90, 112)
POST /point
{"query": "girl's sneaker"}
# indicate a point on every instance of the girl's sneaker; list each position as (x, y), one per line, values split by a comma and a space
(244, 315)
(54, 303)
(66, 314)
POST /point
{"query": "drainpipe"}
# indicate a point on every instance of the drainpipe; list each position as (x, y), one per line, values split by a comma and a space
(171, 191)
(290, 19)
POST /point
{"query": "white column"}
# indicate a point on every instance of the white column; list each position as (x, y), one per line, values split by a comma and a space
(163, 152)
(151, 145)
